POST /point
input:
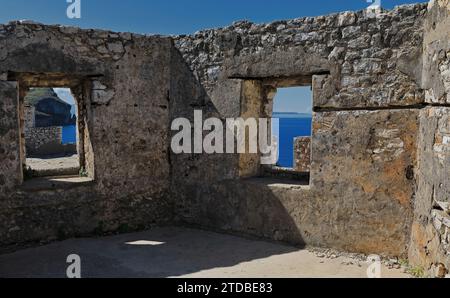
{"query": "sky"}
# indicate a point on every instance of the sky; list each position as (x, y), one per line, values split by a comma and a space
(66, 95)
(293, 100)
(173, 17)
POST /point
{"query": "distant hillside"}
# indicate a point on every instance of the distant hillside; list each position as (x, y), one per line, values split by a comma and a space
(37, 94)
(50, 110)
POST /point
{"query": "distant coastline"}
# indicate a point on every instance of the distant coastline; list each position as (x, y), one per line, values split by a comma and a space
(291, 115)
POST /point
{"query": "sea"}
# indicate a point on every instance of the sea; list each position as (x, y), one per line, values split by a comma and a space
(291, 125)
(69, 134)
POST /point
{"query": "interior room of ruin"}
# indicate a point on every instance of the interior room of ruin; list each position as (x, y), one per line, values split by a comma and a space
(378, 179)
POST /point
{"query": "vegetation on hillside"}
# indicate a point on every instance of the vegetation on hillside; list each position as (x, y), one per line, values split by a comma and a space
(36, 94)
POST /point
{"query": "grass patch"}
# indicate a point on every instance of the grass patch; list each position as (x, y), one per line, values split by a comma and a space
(83, 172)
(28, 173)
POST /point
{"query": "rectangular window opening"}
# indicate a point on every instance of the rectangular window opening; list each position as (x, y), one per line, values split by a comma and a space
(287, 102)
(50, 129)
(292, 106)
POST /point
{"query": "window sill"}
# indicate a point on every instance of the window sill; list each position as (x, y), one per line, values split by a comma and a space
(55, 183)
(286, 174)
(274, 182)
(63, 172)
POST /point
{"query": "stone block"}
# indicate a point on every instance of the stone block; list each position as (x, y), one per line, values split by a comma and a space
(302, 154)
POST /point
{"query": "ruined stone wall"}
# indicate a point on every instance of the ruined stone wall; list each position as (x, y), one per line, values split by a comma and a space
(36, 137)
(430, 242)
(29, 116)
(123, 107)
(10, 165)
(375, 150)
(365, 71)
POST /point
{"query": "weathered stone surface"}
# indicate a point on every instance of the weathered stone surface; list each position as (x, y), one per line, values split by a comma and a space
(36, 137)
(369, 47)
(379, 157)
(430, 242)
(440, 271)
(10, 165)
(366, 176)
(302, 154)
(126, 150)
(436, 60)
(363, 162)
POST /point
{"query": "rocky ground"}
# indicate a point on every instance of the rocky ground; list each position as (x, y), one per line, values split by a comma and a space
(361, 259)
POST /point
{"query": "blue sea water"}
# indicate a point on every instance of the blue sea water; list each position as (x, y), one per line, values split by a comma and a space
(290, 127)
(69, 134)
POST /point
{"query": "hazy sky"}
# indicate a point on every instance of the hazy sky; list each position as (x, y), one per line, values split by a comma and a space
(296, 99)
(65, 94)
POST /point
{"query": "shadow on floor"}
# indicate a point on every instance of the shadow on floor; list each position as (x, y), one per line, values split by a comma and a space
(162, 252)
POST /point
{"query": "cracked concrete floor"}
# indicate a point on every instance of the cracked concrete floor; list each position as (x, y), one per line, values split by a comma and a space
(178, 252)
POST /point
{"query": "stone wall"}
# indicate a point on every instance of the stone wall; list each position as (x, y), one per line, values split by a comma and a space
(379, 160)
(429, 240)
(41, 141)
(10, 165)
(119, 80)
(363, 68)
(302, 154)
(36, 137)
(29, 117)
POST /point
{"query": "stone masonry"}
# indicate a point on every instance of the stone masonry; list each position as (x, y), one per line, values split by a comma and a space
(36, 137)
(379, 147)
(119, 79)
(361, 66)
(29, 118)
(302, 154)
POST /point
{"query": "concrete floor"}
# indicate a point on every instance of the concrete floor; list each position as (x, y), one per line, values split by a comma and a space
(178, 252)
